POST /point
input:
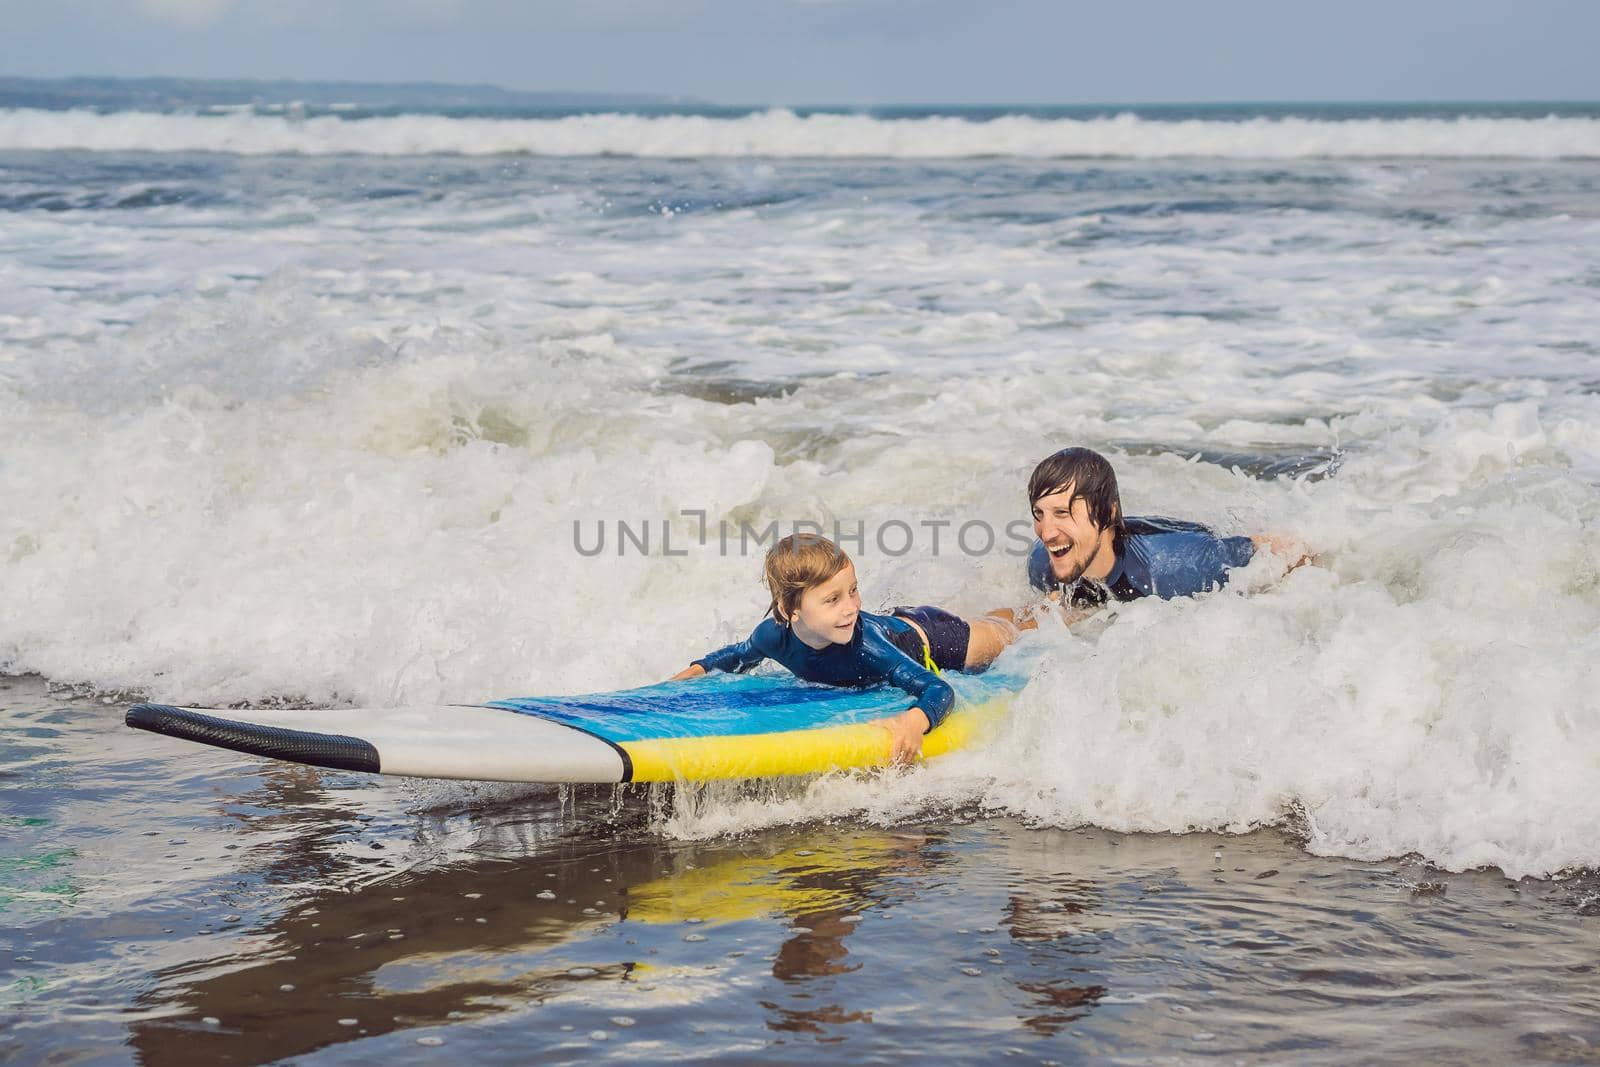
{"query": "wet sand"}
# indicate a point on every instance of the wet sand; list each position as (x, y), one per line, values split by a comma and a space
(166, 903)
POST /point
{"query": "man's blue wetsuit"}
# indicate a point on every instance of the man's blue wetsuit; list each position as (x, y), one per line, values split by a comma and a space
(876, 653)
(1155, 557)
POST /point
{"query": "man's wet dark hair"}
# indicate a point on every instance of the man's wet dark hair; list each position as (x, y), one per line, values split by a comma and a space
(1089, 475)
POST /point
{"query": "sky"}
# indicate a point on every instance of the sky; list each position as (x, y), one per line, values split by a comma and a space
(797, 52)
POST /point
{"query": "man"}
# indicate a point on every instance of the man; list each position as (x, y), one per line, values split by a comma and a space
(1088, 550)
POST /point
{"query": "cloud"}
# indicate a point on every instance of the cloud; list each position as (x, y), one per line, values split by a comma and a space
(430, 11)
(186, 14)
(245, 15)
(371, 14)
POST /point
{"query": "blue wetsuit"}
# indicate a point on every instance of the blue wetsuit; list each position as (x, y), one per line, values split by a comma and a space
(876, 653)
(1155, 557)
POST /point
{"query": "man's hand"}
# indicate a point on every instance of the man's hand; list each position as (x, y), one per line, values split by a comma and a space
(905, 734)
(1052, 605)
(693, 670)
(1288, 549)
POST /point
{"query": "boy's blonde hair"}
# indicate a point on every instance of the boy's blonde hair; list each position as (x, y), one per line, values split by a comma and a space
(799, 562)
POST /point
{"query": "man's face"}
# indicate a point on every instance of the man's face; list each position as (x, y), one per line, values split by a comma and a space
(1062, 523)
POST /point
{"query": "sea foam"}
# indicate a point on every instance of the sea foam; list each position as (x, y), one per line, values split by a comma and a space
(783, 133)
(340, 457)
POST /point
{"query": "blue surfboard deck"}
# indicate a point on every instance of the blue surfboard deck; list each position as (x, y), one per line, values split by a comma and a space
(733, 705)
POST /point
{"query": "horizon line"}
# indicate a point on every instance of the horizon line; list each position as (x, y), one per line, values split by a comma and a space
(667, 97)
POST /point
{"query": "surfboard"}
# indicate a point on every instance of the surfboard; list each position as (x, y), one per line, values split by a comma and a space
(714, 727)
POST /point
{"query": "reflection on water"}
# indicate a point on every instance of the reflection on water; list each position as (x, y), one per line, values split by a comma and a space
(225, 909)
(482, 937)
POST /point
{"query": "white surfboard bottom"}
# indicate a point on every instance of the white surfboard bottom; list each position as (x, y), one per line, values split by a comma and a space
(453, 741)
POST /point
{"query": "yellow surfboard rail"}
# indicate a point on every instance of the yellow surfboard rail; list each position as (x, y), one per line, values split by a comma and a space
(826, 748)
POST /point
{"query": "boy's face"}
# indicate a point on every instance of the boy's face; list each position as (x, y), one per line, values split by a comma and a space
(1062, 523)
(830, 610)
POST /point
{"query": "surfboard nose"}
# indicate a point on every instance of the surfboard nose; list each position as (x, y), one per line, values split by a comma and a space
(335, 751)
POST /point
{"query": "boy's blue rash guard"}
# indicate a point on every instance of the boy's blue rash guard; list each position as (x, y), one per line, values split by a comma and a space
(1159, 557)
(870, 658)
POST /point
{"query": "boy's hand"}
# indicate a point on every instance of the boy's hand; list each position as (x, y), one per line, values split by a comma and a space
(905, 734)
(693, 670)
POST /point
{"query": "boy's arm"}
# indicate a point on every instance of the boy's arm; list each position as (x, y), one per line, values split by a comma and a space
(933, 695)
(934, 699)
(736, 658)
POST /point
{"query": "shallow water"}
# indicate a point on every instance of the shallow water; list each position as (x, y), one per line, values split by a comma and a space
(163, 903)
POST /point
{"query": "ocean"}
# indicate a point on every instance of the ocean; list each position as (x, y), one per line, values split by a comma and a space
(328, 404)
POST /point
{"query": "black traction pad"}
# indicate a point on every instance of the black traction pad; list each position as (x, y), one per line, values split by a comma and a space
(296, 746)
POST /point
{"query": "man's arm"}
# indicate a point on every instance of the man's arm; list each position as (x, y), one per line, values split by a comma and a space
(1193, 562)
